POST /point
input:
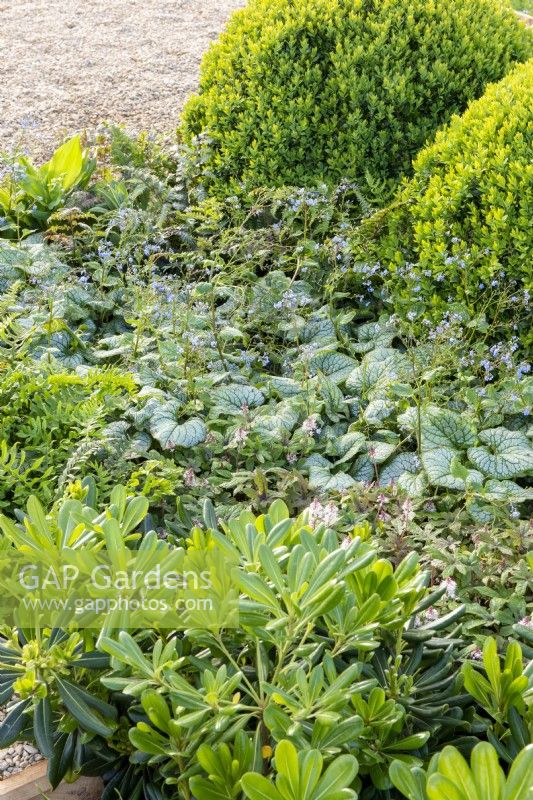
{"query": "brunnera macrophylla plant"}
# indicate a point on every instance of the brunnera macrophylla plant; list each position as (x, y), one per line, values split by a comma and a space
(277, 393)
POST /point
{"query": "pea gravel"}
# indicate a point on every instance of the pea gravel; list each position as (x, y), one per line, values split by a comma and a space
(67, 65)
(17, 757)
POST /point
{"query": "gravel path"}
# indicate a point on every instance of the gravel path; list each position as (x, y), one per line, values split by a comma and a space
(69, 64)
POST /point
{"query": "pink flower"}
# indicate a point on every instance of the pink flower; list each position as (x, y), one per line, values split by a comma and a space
(240, 436)
(189, 478)
(318, 514)
(407, 508)
(451, 587)
(310, 425)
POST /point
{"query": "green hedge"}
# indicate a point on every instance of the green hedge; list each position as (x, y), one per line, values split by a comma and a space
(303, 91)
(462, 226)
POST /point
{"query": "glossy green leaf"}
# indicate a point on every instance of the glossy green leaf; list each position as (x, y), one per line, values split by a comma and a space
(441, 788)
(90, 712)
(519, 784)
(453, 766)
(257, 787)
(411, 782)
(338, 776)
(43, 727)
(287, 766)
(487, 773)
(13, 723)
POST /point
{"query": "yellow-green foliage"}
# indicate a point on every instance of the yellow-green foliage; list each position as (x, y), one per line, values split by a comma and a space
(464, 222)
(301, 91)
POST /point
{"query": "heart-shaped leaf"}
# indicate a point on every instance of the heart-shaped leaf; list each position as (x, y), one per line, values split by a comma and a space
(336, 366)
(320, 478)
(505, 454)
(237, 399)
(170, 431)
